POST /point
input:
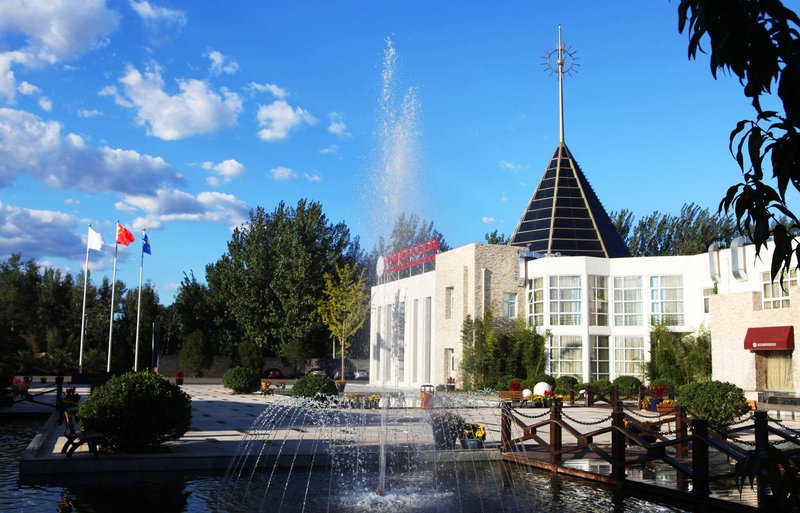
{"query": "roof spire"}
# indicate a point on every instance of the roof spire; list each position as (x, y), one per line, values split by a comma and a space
(561, 61)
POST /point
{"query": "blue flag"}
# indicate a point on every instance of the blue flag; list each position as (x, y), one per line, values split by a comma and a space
(145, 244)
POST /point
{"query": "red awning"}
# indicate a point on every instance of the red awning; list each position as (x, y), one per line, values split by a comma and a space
(773, 338)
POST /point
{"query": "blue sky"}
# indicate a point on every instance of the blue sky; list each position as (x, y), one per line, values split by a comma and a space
(179, 117)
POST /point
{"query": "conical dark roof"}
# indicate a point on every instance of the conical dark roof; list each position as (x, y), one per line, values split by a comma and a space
(564, 215)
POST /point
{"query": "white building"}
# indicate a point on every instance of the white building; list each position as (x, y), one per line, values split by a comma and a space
(569, 273)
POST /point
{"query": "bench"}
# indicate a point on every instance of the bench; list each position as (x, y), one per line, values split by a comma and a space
(512, 396)
(77, 438)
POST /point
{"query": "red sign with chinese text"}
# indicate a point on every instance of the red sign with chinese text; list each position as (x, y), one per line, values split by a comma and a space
(418, 254)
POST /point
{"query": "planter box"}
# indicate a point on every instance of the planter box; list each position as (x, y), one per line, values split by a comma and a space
(471, 443)
(665, 409)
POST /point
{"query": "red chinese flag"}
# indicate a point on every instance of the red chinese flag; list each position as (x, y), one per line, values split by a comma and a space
(124, 236)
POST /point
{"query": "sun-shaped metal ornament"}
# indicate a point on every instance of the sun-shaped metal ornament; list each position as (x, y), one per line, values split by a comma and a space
(562, 57)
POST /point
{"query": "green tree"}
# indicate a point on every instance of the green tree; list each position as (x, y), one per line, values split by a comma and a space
(496, 238)
(676, 360)
(758, 41)
(689, 233)
(272, 276)
(345, 305)
(125, 337)
(195, 355)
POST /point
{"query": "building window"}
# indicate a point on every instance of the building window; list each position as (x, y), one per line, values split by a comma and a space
(565, 300)
(566, 355)
(536, 301)
(598, 358)
(510, 305)
(598, 300)
(629, 356)
(449, 303)
(666, 300)
(772, 295)
(707, 293)
(627, 301)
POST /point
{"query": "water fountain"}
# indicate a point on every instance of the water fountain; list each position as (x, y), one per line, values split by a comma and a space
(343, 454)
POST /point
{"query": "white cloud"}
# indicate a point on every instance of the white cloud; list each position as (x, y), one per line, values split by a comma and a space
(29, 145)
(195, 110)
(337, 126)
(330, 149)
(168, 205)
(220, 64)
(313, 178)
(89, 113)
(274, 90)
(488, 220)
(28, 89)
(224, 172)
(37, 233)
(45, 104)
(503, 198)
(279, 118)
(49, 31)
(72, 201)
(504, 164)
(283, 174)
(154, 13)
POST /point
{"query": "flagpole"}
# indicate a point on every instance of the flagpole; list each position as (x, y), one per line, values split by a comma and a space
(138, 312)
(83, 312)
(113, 286)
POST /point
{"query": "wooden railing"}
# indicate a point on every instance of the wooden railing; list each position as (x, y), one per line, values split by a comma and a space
(692, 438)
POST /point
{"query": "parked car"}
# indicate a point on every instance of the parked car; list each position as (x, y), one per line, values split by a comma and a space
(317, 371)
(348, 374)
(273, 373)
(362, 374)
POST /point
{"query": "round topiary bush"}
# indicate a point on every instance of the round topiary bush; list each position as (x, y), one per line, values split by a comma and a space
(601, 385)
(627, 384)
(241, 380)
(565, 383)
(719, 402)
(137, 412)
(312, 385)
(547, 378)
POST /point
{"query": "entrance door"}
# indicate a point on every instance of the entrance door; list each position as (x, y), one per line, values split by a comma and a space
(774, 370)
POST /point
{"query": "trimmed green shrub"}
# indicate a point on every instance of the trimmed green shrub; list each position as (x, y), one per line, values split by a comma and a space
(627, 384)
(721, 403)
(601, 385)
(196, 354)
(505, 381)
(547, 378)
(137, 412)
(565, 383)
(241, 380)
(312, 385)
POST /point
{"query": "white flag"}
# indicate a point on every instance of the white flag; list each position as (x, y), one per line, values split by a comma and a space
(94, 240)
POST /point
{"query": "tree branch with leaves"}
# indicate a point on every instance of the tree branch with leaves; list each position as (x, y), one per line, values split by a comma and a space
(757, 41)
